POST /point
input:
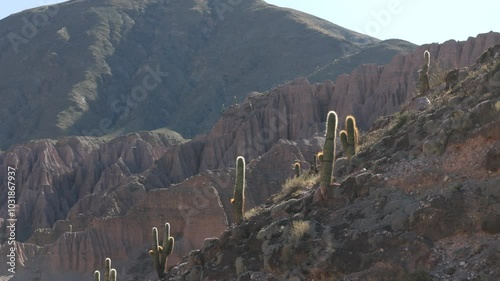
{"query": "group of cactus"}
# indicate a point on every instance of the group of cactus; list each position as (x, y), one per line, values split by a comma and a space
(350, 137)
(161, 253)
(109, 273)
(350, 141)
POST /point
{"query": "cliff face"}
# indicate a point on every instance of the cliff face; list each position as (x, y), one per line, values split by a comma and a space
(193, 208)
(54, 176)
(86, 179)
(294, 111)
(371, 91)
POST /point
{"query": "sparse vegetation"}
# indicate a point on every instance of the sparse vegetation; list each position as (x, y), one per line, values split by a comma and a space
(240, 266)
(254, 212)
(400, 120)
(438, 74)
(293, 185)
(299, 229)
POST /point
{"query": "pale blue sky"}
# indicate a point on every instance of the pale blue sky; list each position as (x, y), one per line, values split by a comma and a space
(417, 21)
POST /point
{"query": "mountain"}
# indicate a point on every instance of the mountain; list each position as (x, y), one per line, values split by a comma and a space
(109, 67)
(113, 191)
(112, 117)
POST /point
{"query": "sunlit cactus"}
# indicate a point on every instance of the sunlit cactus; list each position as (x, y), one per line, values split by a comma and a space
(296, 168)
(327, 157)
(423, 73)
(329, 150)
(238, 199)
(352, 136)
(161, 253)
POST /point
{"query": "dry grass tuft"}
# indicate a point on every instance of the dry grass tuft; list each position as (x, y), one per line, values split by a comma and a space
(293, 185)
(299, 229)
(254, 212)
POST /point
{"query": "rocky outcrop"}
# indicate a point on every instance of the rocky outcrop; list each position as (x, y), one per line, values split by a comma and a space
(371, 91)
(53, 176)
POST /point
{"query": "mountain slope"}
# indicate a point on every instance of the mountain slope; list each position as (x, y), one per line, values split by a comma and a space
(106, 187)
(101, 67)
(419, 202)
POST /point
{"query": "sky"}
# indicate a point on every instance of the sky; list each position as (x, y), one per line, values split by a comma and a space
(16, 6)
(417, 21)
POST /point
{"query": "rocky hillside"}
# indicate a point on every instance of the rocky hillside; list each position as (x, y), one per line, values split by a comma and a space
(95, 68)
(112, 191)
(420, 201)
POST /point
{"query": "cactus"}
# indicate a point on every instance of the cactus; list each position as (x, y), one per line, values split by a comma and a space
(327, 157)
(296, 167)
(343, 139)
(352, 136)
(109, 273)
(112, 275)
(315, 164)
(107, 269)
(238, 200)
(328, 151)
(424, 74)
(320, 157)
(161, 253)
(427, 57)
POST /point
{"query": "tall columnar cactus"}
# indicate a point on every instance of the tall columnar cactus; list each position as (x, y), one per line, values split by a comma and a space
(352, 136)
(424, 74)
(343, 139)
(328, 151)
(97, 275)
(296, 168)
(238, 200)
(327, 157)
(161, 253)
(107, 269)
(315, 164)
